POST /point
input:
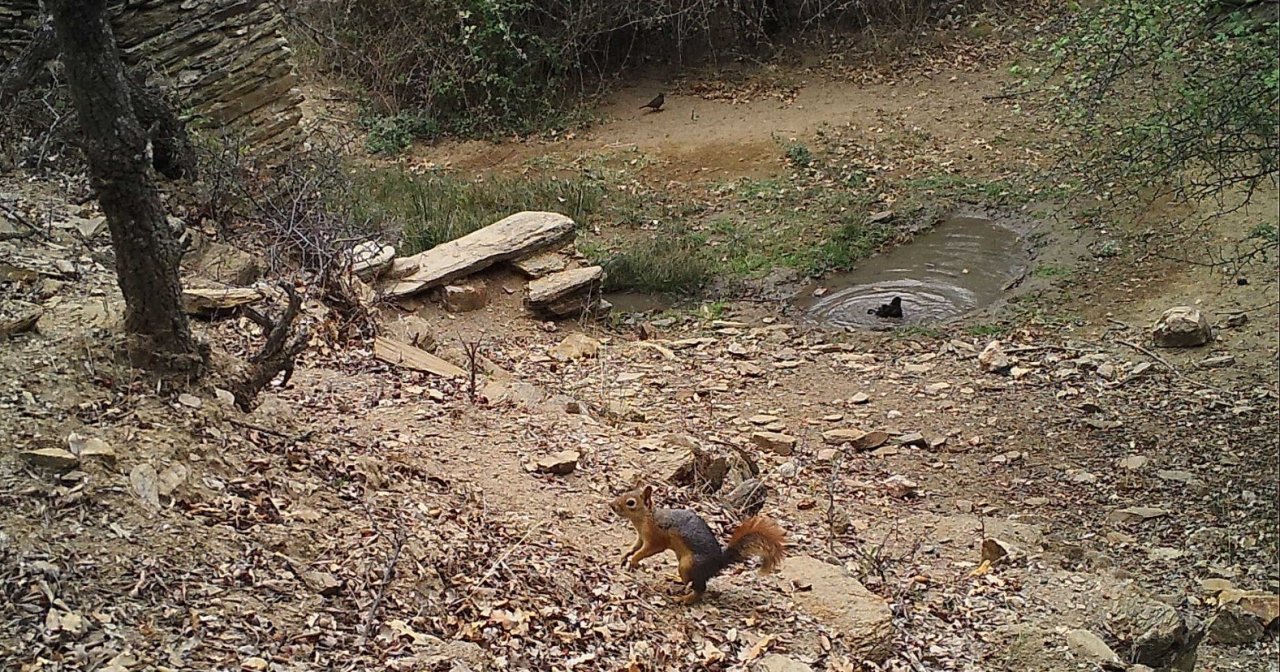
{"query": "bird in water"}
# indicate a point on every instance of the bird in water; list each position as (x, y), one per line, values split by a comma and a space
(892, 309)
(656, 103)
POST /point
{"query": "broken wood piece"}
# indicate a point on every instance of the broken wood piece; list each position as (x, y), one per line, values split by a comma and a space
(553, 288)
(402, 354)
(209, 300)
(512, 237)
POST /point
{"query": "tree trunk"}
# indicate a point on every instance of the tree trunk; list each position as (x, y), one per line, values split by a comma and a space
(119, 158)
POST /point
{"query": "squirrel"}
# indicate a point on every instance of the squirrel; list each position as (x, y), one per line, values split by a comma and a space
(684, 532)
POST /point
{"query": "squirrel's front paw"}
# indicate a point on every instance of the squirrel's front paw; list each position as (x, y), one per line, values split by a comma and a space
(625, 560)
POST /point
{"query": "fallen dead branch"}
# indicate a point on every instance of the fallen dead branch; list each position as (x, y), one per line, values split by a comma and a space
(277, 354)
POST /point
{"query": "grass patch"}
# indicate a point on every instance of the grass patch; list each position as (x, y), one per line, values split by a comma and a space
(438, 207)
(986, 330)
(958, 188)
(1049, 271)
(777, 223)
(667, 263)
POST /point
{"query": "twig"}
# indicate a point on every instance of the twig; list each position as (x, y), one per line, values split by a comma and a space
(387, 575)
(298, 438)
(505, 554)
(1171, 367)
(472, 351)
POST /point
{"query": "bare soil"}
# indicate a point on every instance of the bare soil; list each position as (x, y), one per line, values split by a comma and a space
(362, 510)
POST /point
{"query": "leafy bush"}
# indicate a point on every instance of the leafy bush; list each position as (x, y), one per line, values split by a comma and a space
(1183, 94)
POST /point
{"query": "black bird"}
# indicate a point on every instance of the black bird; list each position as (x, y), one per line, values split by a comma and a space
(891, 309)
(656, 103)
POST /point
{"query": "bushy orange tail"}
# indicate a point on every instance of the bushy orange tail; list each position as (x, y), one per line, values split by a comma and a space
(759, 537)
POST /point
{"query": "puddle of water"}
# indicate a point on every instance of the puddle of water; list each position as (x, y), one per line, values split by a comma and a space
(637, 302)
(963, 263)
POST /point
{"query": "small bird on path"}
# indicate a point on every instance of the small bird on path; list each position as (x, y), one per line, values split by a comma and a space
(891, 309)
(656, 103)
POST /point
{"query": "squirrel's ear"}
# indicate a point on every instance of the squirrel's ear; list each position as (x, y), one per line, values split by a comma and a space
(648, 495)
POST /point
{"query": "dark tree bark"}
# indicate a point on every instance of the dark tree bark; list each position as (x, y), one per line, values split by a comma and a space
(118, 154)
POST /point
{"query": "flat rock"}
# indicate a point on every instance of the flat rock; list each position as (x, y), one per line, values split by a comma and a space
(411, 329)
(560, 464)
(913, 439)
(510, 238)
(1215, 585)
(1263, 605)
(774, 442)
(1134, 462)
(556, 287)
(58, 459)
(842, 604)
(1089, 647)
(857, 439)
(860, 398)
(544, 263)
(323, 583)
(1217, 362)
(1181, 327)
(86, 447)
(1135, 514)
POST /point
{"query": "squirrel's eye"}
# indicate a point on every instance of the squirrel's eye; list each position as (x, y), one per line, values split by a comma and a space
(631, 503)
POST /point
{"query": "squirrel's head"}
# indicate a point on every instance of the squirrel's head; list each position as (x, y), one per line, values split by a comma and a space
(633, 503)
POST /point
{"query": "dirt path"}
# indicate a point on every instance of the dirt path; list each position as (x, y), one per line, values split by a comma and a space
(699, 139)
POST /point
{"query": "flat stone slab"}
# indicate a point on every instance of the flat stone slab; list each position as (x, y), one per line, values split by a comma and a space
(553, 288)
(544, 263)
(843, 605)
(510, 238)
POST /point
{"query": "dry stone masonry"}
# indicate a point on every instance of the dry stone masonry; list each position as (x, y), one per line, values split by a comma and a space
(227, 60)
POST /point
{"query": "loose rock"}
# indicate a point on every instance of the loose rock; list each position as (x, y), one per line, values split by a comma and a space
(1234, 626)
(1181, 327)
(56, 459)
(560, 464)
(466, 297)
(775, 442)
(1090, 647)
(992, 359)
